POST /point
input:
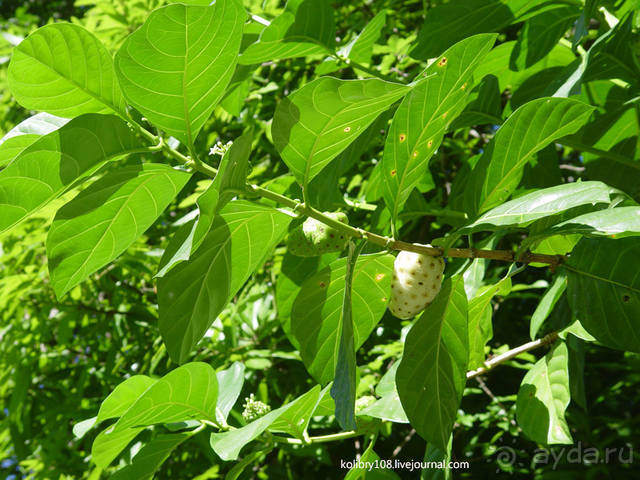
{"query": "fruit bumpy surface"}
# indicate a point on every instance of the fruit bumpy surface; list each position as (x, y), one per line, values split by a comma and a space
(417, 279)
(314, 238)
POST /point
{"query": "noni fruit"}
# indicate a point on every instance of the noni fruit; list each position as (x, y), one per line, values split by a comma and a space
(417, 279)
(314, 238)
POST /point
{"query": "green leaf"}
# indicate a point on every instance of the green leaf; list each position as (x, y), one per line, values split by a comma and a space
(541, 33)
(295, 419)
(230, 383)
(193, 293)
(547, 302)
(53, 163)
(615, 222)
(543, 398)
(306, 27)
(529, 129)
(369, 466)
(604, 290)
(231, 176)
(424, 116)
(151, 457)
(105, 219)
(315, 123)
(454, 21)
(123, 396)
(612, 56)
(12, 147)
(343, 390)
(188, 392)
(293, 272)
(316, 315)
(39, 124)
(361, 48)
(540, 204)
(64, 70)
(176, 67)
(432, 372)
(480, 318)
(388, 408)
(228, 444)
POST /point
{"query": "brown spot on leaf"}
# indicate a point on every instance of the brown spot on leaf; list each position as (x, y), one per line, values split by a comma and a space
(626, 298)
(402, 137)
(442, 62)
(393, 172)
(347, 129)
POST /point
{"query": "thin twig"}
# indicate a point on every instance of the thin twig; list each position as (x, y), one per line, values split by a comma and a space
(514, 352)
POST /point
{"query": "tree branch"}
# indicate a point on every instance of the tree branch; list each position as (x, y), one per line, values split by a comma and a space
(514, 352)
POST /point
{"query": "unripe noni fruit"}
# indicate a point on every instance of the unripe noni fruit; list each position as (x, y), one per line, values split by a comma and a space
(314, 238)
(417, 279)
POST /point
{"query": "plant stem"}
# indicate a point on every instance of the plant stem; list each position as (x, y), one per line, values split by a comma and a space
(514, 352)
(386, 242)
(320, 438)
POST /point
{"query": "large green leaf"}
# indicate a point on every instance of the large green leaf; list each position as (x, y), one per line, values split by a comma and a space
(316, 315)
(176, 67)
(432, 372)
(49, 166)
(151, 457)
(193, 293)
(64, 70)
(123, 396)
(315, 123)
(612, 55)
(543, 398)
(541, 33)
(293, 272)
(186, 393)
(424, 116)
(615, 222)
(306, 27)
(540, 204)
(529, 129)
(604, 290)
(103, 220)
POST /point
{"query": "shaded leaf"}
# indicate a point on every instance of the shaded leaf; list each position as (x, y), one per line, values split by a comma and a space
(151, 457)
(604, 290)
(543, 398)
(193, 293)
(316, 314)
(106, 218)
(432, 372)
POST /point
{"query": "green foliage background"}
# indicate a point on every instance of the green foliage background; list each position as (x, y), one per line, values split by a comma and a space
(59, 359)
